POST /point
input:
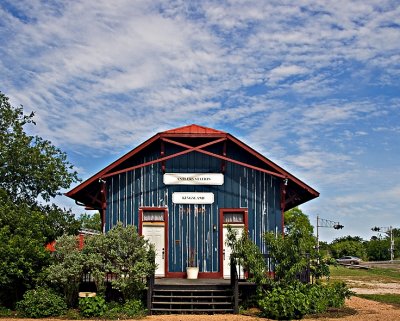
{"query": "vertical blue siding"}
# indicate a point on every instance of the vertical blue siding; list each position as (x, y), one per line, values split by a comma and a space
(191, 226)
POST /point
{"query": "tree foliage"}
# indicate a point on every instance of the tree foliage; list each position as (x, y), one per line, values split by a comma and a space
(249, 257)
(29, 165)
(378, 249)
(348, 245)
(121, 252)
(293, 251)
(32, 170)
(92, 222)
(22, 251)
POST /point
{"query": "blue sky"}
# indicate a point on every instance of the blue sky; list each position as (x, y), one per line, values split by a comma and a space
(313, 85)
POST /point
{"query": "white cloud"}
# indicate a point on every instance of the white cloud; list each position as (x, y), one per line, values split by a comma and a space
(282, 72)
(306, 84)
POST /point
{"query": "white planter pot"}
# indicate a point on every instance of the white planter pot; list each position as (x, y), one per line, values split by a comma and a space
(192, 272)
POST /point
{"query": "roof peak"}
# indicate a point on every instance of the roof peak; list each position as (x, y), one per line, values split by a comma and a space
(193, 129)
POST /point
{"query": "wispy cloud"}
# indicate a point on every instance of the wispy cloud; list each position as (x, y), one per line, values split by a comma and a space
(306, 84)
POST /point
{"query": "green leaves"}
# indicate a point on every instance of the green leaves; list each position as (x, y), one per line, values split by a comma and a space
(295, 300)
(92, 306)
(41, 303)
(29, 165)
(122, 252)
(31, 168)
(249, 256)
(22, 251)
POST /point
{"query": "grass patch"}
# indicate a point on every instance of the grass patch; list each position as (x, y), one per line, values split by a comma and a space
(382, 274)
(392, 299)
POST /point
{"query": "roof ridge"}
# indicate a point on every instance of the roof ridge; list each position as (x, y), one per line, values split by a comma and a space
(193, 129)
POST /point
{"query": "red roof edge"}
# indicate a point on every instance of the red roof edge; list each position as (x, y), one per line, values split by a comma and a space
(111, 166)
(193, 129)
(190, 130)
(273, 165)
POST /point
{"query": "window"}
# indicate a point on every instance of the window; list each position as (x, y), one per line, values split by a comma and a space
(153, 216)
(233, 218)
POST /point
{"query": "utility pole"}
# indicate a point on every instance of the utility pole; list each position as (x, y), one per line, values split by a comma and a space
(321, 222)
(388, 230)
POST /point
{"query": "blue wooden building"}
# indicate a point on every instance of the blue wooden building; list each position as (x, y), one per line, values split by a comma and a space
(183, 187)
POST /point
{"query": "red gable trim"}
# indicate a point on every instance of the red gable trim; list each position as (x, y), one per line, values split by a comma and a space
(107, 169)
(159, 160)
(193, 129)
(190, 131)
(273, 165)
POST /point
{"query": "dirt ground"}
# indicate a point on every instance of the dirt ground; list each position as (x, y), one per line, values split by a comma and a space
(366, 310)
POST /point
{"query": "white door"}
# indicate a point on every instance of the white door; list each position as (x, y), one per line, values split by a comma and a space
(155, 234)
(227, 251)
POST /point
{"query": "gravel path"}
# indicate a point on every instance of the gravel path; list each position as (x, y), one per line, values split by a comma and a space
(366, 311)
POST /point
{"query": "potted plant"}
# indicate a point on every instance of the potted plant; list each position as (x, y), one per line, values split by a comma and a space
(192, 269)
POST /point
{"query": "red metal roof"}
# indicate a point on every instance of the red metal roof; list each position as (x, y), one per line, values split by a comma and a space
(193, 129)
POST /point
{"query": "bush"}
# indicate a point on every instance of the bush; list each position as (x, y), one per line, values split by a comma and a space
(5, 312)
(131, 309)
(72, 314)
(337, 293)
(296, 300)
(318, 299)
(285, 302)
(92, 306)
(41, 302)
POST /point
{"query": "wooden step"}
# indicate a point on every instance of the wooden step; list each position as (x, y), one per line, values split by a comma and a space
(192, 299)
(193, 296)
(179, 311)
(191, 302)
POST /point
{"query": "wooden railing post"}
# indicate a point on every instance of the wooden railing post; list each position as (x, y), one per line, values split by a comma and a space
(235, 285)
(150, 286)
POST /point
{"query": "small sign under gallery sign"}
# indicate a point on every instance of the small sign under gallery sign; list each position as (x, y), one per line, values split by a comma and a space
(192, 198)
(193, 179)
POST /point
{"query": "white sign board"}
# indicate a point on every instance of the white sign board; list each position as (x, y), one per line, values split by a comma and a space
(193, 179)
(192, 198)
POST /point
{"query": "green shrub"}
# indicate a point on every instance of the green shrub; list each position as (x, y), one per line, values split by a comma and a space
(285, 302)
(4, 312)
(131, 309)
(72, 314)
(134, 308)
(296, 300)
(92, 306)
(337, 293)
(318, 298)
(41, 302)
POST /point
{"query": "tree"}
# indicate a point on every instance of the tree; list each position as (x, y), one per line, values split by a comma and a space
(128, 256)
(29, 165)
(92, 222)
(122, 252)
(31, 169)
(348, 245)
(378, 249)
(22, 251)
(292, 253)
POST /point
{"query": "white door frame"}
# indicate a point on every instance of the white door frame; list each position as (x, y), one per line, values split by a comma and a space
(151, 226)
(225, 250)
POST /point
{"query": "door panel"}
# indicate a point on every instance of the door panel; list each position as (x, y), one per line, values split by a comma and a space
(156, 235)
